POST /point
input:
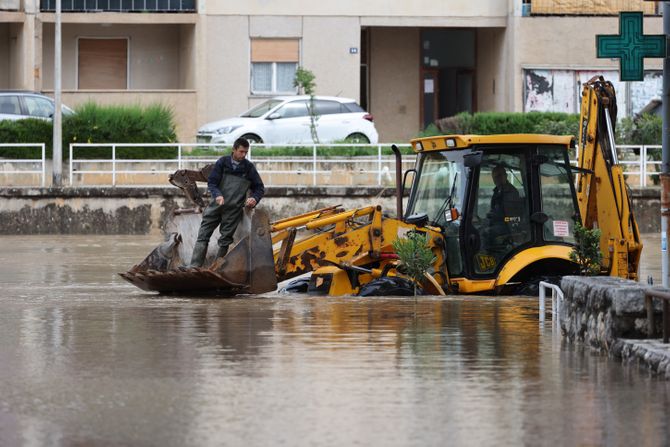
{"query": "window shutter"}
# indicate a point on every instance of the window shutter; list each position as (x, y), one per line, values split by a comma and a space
(275, 50)
(103, 64)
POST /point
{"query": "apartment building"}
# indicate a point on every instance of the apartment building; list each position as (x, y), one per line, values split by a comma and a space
(407, 62)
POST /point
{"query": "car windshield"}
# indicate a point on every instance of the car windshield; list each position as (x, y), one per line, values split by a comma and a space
(261, 109)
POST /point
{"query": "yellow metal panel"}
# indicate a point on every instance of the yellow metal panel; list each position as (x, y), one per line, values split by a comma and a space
(443, 142)
(474, 285)
(525, 258)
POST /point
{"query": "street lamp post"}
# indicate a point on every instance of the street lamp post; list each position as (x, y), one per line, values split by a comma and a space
(665, 166)
(57, 118)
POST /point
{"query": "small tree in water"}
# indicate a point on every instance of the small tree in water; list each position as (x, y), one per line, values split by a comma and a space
(304, 81)
(415, 256)
(586, 252)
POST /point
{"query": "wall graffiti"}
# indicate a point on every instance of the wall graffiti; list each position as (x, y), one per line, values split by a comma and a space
(547, 90)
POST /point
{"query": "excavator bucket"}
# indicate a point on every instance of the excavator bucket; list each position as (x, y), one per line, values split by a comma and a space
(248, 267)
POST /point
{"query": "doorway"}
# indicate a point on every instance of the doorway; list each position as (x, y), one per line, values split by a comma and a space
(447, 73)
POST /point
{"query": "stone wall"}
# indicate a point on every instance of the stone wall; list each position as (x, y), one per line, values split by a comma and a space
(126, 210)
(146, 210)
(609, 314)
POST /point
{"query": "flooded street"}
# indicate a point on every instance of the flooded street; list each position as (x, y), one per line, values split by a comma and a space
(87, 359)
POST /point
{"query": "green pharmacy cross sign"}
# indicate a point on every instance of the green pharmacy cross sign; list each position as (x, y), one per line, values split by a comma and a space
(631, 46)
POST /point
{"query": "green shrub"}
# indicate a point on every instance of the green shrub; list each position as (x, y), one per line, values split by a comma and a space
(25, 131)
(415, 256)
(93, 123)
(586, 252)
(302, 151)
(644, 129)
(505, 123)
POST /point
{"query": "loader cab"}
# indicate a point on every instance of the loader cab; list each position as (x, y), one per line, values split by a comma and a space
(493, 197)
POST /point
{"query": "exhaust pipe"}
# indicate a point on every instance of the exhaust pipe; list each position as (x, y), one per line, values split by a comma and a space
(398, 181)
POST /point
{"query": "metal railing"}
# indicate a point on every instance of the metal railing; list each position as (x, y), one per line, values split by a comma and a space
(641, 164)
(42, 171)
(119, 6)
(306, 170)
(637, 160)
(556, 300)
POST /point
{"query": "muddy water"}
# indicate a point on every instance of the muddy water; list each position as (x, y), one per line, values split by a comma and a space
(87, 360)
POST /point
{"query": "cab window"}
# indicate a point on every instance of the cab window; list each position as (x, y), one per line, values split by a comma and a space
(557, 198)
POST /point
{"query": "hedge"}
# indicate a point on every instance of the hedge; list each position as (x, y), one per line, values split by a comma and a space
(505, 123)
(97, 124)
(303, 151)
(643, 129)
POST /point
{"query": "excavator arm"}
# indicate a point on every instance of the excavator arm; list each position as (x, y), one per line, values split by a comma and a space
(603, 197)
(354, 244)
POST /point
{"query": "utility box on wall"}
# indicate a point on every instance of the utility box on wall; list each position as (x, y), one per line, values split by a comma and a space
(10, 5)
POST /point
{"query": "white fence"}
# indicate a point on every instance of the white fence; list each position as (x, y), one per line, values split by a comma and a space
(13, 173)
(317, 169)
(641, 164)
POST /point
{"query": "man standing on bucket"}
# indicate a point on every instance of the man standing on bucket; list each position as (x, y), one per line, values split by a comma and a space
(233, 175)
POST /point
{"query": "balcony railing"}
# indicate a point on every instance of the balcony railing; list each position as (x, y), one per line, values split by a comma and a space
(120, 5)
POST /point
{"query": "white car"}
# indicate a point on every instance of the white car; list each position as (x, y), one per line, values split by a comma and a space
(17, 105)
(285, 119)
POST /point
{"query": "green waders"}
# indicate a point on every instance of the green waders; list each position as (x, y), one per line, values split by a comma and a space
(228, 215)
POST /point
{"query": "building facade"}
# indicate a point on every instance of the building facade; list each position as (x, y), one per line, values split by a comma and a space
(407, 63)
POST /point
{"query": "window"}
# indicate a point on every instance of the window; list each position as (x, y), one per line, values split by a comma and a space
(103, 64)
(10, 105)
(293, 109)
(328, 107)
(273, 65)
(41, 107)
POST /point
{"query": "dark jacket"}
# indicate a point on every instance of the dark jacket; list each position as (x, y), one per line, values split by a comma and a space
(245, 169)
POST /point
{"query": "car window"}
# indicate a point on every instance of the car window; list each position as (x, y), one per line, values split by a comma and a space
(293, 109)
(328, 107)
(10, 105)
(41, 107)
(352, 107)
(262, 108)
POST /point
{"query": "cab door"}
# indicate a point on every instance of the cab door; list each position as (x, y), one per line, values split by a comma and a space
(498, 224)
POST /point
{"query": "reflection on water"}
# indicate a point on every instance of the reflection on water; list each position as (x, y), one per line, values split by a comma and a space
(88, 359)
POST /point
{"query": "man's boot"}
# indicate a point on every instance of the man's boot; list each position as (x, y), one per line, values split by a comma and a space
(222, 252)
(199, 253)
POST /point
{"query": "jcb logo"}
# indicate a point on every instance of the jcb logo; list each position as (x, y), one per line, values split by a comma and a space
(486, 262)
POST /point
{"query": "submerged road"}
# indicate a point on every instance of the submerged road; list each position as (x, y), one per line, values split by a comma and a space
(87, 359)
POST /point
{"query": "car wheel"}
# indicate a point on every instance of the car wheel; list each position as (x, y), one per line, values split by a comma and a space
(357, 138)
(253, 139)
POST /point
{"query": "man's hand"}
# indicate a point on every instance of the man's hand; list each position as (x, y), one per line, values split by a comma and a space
(251, 202)
(219, 200)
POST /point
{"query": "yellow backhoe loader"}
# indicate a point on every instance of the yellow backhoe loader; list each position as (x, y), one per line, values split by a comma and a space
(498, 213)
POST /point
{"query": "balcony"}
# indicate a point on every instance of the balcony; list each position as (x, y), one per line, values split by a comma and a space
(120, 5)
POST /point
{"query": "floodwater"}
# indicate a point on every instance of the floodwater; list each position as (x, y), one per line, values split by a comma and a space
(87, 359)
